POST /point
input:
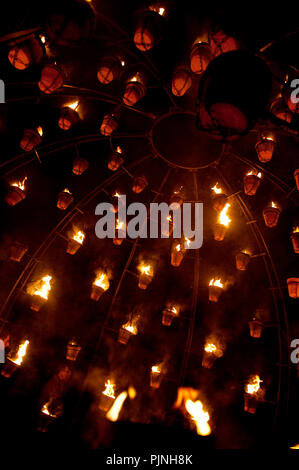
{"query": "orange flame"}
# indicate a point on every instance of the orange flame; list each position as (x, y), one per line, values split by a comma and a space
(217, 189)
(109, 390)
(223, 217)
(160, 10)
(40, 131)
(41, 287)
(252, 172)
(273, 204)
(253, 385)
(66, 191)
(131, 326)
(21, 353)
(102, 281)
(146, 269)
(296, 230)
(20, 184)
(210, 347)
(79, 237)
(118, 149)
(73, 105)
(156, 370)
(216, 282)
(116, 408)
(200, 416)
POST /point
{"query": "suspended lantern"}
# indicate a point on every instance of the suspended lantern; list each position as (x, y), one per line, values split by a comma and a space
(12, 364)
(220, 42)
(200, 57)
(51, 79)
(150, 29)
(265, 148)
(23, 54)
(215, 289)
(75, 242)
(169, 313)
(99, 286)
(70, 23)
(296, 176)
(181, 80)
(295, 239)
(255, 328)
(271, 215)
(139, 184)
(17, 251)
(134, 90)
(73, 350)
(280, 110)
(121, 233)
(69, 116)
(293, 287)
(107, 396)
(253, 394)
(39, 292)
(109, 69)
(233, 94)
(219, 198)
(177, 253)
(156, 376)
(177, 197)
(65, 198)
(127, 330)
(109, 124)
(222, 224)
(16, 192)
(251, 182)
(145, 276)
(116, 159)
(242, 260)
(48, 414)
(31, 139)
(79, 165)
(212, 351)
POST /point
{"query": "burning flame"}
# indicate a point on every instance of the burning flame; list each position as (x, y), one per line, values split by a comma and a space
(201, 417)
(217, 189)
(41, 287)
(174, 310)
(147, 270)
(21, 353)
(73, 105)
(253, 385)
(295, 447)
(79, 237)
(156, 370)
(259, 175)
(116, 408)
(119, 150)
(223, 217)
(109, 390)
(43, 39)
(296, 230)
(116, 195)
(178, 247)
(131, 327)
(119, 225)
(46, 411)
(102, 281)
(20, 184)
(274, 205)
(66, 191)
(122, 63)
(216, 282)
(159, 10)
(210, 347)
(187, 242)
(40, 130)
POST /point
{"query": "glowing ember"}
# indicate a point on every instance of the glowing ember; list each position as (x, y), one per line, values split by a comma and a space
(109, 390)
(174, 310)
(46, 411)
(119, 225)
(40, 131)
(223, 217)
(102, 281)
(114, 411)
(131, 327)
(147, 270)
(201, 417)
(20, 184)
(119, 150)
(210, 347)
(21, 353)
(253, 385)
(187, 242)
(216, 282)
(159, 10)
(79, 237)
(156, 370)
(41, 287)
(66, 191)
(296, 230)
(178, 247)
(217, 189)
(116, 195)
(73, 105)
(123, 63)
(274, 205)
(43, 39)
(259, 175)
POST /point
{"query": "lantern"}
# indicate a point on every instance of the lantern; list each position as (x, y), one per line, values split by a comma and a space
(295, 239)
(177, 254)
(17, 251)
(251, 183)
(215, 290)
(222, 224)
(139, 184)
(121, 233)
(127, 330)
(253, 394)
(65, 198)
(181, 81)
(271, 215)
(145, 276)
(149, 30)
(109, 69)
(280, 110)
(242, 261)
(22, 55)
(107, 397)
(109, 124)
(16, 193)
(39, 292)
(68, 116)
(31, 138)
(265, 148)
(134, 90)
(73, 350)
(233, 94)
(156, 377)
(116, 159)
(51, 78)
(296, 176)
(99, 286)
(75, 242)
(79, 165)
(48, 414)
(212, 351)
(219, 198)
(293, 287)
(220, 42)
(169, 313)
(200, 57)
(11, 365)
(70, 22)
(255, 328)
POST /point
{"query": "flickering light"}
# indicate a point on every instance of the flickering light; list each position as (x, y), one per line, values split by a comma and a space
(296, 230)
(131, 327)
(223, 217)
(109, 389)
(21, 353)
(114, 411)
(156, 370)
(273, 204)
(73, 105)
(216, 282)
(119, 225)
(40, 131)
(102, 281)
(41, 288)
(200, 416)
(146, 269)
(118, 149)
(66, 191)
(255, 173)
(20, 184)
(160, 10)
(43, 39)
(217, 189)
(79, 236)
(253, 385)
(210, 347)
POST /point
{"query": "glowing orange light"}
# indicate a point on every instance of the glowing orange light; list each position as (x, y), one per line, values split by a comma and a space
(40, 131)
(200, 416)
(109, 390)
(102, 281)
(223, 217)
(216, 282)
(21, 353)
(217, 189)
(79, 237)
(73, 105)
(41, 287)
(253, 385)
(20, 184)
